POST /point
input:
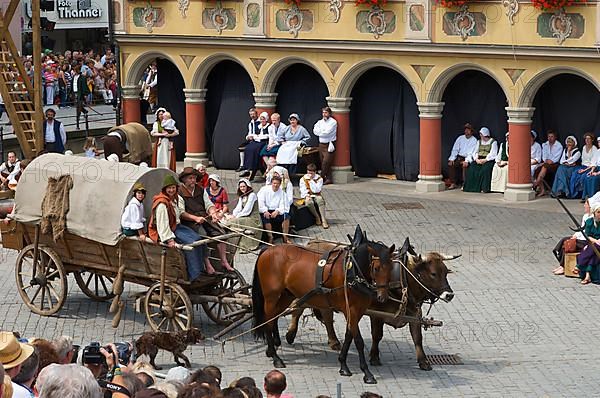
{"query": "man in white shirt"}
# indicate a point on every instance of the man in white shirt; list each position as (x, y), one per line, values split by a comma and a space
(311, 185)
(151, 89)
(55, 137)
(274, 208)
(551, 152)
(326, 130)
(9, 169)
(457, 162)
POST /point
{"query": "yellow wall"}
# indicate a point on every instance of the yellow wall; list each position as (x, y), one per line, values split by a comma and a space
(444, 67)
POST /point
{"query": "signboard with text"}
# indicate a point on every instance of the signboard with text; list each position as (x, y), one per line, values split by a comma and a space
(75, 14)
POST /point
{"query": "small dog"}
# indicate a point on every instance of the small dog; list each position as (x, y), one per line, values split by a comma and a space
(174, 342)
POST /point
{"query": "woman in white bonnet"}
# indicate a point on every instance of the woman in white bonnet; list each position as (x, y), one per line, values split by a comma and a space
(246, 213)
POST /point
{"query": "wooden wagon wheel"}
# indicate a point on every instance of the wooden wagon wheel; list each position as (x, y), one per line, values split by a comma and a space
(174, 313)
(229, 285)
(43, 283)
(97, 287)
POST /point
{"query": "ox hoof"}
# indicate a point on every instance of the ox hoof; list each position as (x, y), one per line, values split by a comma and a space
(375, 362)
(290, 337)
(425, 365)
(345, 372)
(278, 363)
(335, 346)
(369, 379)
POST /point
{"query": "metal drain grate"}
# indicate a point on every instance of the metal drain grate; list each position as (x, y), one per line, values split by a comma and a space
(445, 359)
(403, 206)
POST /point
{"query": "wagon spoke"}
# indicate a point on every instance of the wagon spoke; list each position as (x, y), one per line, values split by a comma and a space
(168, 325)
(154, 314)
(35, 294)
(49, 297)
(96, 284)
(183, 316)
(104, 285)
(154, 304)
(87, 283)
(180, 308)
(43, 298)
(27, 275)
(54, 293)
(161, 323)
(50, 275)
(181, 325)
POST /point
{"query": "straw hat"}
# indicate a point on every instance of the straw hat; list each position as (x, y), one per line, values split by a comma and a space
(13, 353)
(188, 171)
(169, 180)
(138, 186)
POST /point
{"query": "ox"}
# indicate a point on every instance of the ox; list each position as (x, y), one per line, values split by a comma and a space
(425, 279)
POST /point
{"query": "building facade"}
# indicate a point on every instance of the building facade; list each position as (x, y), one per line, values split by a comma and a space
(401, 79)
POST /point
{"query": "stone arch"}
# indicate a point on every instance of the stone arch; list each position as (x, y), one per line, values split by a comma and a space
(443, 79)
(348, 81)
(537, 81)
(275, 71)
(140, 63)
(207, 65)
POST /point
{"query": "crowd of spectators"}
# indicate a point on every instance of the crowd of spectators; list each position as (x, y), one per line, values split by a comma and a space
(61, 87)
(59, 369)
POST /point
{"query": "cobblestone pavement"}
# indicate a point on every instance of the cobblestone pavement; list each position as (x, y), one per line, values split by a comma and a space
(519, 330)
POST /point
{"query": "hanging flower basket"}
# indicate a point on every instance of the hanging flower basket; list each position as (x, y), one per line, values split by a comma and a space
(451, 3)
(551, 5)
(371, 3)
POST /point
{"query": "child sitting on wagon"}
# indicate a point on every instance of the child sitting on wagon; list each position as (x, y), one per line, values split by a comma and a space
(132, 220)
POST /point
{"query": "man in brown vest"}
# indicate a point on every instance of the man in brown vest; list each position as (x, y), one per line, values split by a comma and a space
(197, 203)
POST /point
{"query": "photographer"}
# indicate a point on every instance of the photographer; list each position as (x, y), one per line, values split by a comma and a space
(122, 384)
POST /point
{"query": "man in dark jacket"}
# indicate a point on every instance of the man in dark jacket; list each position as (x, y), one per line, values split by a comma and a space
(80, 91)
(55, 137)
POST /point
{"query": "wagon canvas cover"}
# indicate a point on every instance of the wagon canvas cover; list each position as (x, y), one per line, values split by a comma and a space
(100, 192)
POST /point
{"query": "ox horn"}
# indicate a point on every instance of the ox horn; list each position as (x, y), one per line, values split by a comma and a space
(447, 257)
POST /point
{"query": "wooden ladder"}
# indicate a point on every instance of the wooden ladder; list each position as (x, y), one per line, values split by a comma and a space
(17, 92)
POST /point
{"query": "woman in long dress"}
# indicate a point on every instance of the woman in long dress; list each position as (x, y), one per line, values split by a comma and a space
(569, 162)
(500, 171)
(479, 172)
(163, 152)
(588, 152)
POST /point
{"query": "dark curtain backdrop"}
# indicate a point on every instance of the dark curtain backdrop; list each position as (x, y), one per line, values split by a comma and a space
(569, 105)
(384, 124)
(228, 99)
(171, 97)
(476, 98)
(301, 90)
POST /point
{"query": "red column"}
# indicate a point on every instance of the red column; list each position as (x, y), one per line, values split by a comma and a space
(195, 116)
(131, 104)
(430, 147)
(265, 102)
(341, 170)
(342, 150)
(519, 161)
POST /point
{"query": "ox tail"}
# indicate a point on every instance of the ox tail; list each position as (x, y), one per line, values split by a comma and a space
(258, 302)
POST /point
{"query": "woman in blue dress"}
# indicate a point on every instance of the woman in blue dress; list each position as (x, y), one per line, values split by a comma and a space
(569, 161)
(588, 152)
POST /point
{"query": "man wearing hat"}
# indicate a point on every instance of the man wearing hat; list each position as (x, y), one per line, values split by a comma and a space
(13, 354)
(55, 137)
(481, 163)
(168, 209)
(457, 163)
(133, 220)
(200, 210)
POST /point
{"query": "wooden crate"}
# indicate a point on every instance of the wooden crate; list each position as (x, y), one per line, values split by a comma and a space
(571, 264)
(12, 236)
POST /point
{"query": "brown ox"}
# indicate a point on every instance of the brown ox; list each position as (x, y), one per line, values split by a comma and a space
(430, 270)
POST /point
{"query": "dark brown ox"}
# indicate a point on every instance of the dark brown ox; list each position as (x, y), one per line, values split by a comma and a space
(430, 270)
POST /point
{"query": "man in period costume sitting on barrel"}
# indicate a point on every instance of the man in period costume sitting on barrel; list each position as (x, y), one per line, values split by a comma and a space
(9, 169)
(201, 208)
(168, 210)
